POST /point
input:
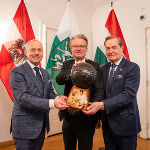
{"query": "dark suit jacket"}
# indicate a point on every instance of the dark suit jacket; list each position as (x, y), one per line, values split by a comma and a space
(96, 90)
(120, 99)
(31, 106)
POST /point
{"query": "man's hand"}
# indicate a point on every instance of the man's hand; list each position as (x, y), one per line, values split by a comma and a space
(79, 62)
(93, 108)
(60, 102)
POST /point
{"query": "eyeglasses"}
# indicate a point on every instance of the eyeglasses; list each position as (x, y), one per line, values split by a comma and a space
(79, 46)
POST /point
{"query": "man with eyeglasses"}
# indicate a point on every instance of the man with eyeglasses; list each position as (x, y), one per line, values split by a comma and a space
(77, 125)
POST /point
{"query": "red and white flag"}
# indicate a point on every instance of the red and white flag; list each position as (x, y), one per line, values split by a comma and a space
(12, 50)
(114, 29)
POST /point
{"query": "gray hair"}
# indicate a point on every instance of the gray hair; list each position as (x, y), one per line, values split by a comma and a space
(114, 37)
(27, 44)
(80, 36)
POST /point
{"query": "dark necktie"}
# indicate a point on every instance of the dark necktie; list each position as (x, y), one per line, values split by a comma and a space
(112, 71)
(38, 75)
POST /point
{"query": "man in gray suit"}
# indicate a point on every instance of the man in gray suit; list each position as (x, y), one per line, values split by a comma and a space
(33, 97)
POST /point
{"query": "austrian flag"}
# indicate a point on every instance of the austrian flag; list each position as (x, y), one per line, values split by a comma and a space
(12, 50)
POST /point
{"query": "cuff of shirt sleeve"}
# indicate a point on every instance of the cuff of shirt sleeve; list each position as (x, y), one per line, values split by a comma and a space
(51, 103)
(103, 107)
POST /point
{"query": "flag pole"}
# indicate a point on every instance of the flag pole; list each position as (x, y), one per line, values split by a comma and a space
(111, 4)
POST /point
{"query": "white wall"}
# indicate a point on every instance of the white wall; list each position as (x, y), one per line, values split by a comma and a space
(7, 11)
(5, 114)
(128, 13)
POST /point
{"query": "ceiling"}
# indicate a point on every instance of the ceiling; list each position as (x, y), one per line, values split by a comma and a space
(46, 9)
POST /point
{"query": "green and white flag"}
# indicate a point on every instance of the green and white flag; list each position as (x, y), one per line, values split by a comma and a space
(100, 57)
(60, 50)
(100, 54)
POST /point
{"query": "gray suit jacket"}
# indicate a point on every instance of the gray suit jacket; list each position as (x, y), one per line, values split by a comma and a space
(31, 102)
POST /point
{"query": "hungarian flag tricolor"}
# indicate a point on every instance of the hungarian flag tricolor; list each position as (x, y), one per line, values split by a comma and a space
(12, 50)
(113, 28)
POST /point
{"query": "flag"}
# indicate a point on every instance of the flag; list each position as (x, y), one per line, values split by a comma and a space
(12, 49)
(100, 57)
(113, 28)
(60, 50)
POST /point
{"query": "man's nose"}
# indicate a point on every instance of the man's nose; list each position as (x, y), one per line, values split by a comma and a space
(36, 52)
(110, 50)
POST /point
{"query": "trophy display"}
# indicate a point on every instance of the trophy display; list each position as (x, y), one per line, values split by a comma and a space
(82, 76)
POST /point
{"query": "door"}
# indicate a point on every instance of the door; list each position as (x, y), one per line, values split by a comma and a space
(147, 31)
(55, 124)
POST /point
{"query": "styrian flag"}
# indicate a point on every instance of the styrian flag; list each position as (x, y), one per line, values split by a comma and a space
(60, 50)
(12, 50)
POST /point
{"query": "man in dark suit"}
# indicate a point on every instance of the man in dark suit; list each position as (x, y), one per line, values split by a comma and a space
(77, 125)
(120, 115)
(33, 97)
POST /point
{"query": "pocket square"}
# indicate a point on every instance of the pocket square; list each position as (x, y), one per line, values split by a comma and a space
(119, 76)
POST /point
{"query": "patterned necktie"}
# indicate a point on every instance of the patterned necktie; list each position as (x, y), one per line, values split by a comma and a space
(38, 75)
(111, 74)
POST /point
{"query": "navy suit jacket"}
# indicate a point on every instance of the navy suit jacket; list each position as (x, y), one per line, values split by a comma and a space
(31, 104)
(121, 109)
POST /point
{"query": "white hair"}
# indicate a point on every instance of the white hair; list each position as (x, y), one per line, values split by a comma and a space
(27, 44)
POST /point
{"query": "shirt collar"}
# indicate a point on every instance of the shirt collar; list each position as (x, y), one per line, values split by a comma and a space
(81, 60)
(32, 65)
(118, 62)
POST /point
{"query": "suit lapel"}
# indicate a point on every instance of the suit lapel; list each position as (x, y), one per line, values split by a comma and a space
(45, 81)
(118, 71)
(119, 68)
(31, 74)
(72, 62)
(106, 74)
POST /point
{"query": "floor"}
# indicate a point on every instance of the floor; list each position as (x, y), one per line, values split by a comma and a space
(56, 143)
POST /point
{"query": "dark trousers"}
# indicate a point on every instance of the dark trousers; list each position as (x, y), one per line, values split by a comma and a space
(78, 128)
(30, 144)
(115, 142)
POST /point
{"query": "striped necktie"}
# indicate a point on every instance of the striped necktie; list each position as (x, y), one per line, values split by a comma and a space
(38, 75)
(112, 71)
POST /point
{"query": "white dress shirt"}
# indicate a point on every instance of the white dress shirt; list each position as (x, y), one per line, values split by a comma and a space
(117, 64)
(51, 101)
